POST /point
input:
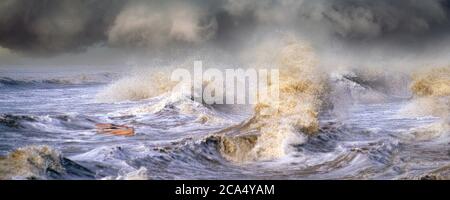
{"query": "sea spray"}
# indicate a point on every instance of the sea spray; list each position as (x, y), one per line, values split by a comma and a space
(285, 121)
(431, 90)
(32, 162)
(141, 84)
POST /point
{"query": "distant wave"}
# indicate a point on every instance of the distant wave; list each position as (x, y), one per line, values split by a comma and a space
(57, 80)
(51, 123)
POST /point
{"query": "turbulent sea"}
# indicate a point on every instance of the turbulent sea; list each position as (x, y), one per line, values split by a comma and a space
(47, 131)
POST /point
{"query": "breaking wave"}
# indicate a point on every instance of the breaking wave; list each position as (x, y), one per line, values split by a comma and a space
(280, 123)
(139, 85)
(432, 83)
(431, 90)
(40, 162)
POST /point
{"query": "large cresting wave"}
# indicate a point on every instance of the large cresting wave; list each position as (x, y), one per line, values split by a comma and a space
(281, 122)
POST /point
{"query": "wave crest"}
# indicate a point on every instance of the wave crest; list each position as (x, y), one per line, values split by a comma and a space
(140, 85)
(279, 123)
(31, 162)
(433, 83)
(40, 162)
(431, 90)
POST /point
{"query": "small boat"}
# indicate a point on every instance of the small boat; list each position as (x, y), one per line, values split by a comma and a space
(114, 129)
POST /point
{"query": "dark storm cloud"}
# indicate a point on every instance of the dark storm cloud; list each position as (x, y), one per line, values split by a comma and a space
(366, 19)
(42, 27)
(53, 26)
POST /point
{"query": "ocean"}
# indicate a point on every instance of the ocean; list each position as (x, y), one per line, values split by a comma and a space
(48, 131)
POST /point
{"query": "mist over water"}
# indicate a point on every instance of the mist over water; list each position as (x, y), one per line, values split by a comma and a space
(364, 89)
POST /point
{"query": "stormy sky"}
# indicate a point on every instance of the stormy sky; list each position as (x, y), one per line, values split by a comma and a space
(50, 28)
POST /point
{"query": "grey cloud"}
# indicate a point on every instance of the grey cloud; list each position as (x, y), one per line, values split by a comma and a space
(54, 26)
(161, 23)
(46, 27)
